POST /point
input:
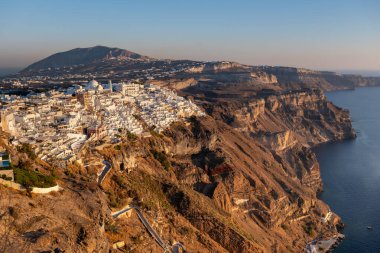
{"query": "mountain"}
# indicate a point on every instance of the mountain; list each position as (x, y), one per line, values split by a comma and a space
(84, 56)
(118, 64)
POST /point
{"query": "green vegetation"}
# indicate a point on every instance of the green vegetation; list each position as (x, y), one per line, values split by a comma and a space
(309, 230)
(131, 136)
(28, 178)
(27, 149)
(151, 190)
(162, 158)
(146, 191)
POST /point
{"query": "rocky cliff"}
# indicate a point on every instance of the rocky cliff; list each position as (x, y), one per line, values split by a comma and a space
(270, 77)
(215, 67)
(289, 124)
(293, 78)
(241, 179)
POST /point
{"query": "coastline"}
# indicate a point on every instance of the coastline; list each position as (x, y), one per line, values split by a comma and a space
(329, 244)
(323, 246)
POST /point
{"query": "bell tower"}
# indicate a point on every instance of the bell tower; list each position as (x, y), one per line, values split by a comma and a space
(110, 85)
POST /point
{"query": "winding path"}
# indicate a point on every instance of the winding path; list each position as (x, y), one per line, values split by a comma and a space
(107, 167)
(145, 223)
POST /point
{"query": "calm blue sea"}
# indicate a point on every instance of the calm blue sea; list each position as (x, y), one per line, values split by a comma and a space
(351, 171)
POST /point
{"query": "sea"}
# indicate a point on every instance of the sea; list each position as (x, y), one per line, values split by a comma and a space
(350, 171)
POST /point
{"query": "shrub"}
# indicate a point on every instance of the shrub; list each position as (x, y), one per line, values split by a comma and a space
(27, 149)
(162, 158)
(131, 136)
(28, 178)
(309, 230)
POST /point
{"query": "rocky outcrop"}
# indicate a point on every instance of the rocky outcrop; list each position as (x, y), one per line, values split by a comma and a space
(215, 75)
(216, 67)
(177, 84)
(307, 113)
(293, 78)
(309, 99)
(252, 110)
(277, 141)
(289, 124)
(263, 77)
(221, 197)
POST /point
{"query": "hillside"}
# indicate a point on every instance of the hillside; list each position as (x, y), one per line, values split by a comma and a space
(105, 63)
(241, 179)
(83, 56)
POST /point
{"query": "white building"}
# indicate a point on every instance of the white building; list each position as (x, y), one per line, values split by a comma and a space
(131, 89)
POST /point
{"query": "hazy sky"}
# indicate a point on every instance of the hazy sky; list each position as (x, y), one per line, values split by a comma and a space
(319, 34)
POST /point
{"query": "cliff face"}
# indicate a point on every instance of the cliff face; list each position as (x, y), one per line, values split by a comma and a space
(285, 78)
(263, 77)
(216, 67)
(308, 115)
(293, 78)
(246, 177)
(242, 179)
(288, 125)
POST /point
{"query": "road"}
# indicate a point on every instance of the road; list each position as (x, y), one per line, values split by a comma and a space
(145, 223)
(107, 167)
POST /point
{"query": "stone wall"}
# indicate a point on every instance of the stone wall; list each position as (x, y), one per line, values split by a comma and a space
(36, 190)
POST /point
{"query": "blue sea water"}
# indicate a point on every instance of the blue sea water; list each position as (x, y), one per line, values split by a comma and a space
(351, 171)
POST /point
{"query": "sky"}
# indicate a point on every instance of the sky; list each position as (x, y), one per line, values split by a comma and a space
(323, 34)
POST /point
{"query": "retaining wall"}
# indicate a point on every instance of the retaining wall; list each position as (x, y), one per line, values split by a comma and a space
(36, 190)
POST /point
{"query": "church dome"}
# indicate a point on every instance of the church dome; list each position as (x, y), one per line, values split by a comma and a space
(93, 85)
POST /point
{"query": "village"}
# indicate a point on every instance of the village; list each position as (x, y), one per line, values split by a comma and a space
(58, 123)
